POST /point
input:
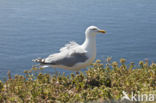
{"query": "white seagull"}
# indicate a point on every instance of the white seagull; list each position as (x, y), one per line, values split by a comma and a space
(74, 56)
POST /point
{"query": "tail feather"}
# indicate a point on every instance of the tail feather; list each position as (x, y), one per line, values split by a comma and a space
(39, 60)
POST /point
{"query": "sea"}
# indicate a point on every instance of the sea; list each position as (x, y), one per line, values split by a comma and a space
(37, 28)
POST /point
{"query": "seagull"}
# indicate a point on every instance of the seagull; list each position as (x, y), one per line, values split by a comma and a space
(74, 56)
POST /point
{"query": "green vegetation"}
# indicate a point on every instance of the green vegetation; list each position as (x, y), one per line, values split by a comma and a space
(100, 83)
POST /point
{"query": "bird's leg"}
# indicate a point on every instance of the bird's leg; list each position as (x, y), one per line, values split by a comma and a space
(56, 72)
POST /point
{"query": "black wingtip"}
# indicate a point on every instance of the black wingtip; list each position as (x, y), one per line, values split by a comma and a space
(39, 60)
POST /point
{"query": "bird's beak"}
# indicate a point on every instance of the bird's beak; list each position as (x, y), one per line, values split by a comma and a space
(102, 31)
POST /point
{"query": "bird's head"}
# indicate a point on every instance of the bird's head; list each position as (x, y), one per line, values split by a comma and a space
(93, 30)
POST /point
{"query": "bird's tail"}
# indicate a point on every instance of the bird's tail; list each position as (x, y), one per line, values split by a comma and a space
(39, 60)
(42, 62)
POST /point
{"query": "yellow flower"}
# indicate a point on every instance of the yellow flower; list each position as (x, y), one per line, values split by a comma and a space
(122, 60)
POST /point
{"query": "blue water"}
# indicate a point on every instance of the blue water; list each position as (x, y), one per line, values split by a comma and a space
(37, 28)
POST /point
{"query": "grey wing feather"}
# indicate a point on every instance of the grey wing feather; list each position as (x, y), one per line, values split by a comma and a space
(70, 60)
(69, 55)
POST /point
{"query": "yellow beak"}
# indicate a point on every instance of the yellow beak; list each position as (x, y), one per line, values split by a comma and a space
(102, 31)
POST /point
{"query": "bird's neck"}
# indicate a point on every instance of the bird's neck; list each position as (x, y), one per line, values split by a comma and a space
(90, 43)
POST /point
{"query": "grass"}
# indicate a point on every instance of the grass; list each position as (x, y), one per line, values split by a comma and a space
(100, 83)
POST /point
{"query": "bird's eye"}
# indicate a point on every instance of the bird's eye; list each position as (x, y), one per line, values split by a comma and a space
(94, 29)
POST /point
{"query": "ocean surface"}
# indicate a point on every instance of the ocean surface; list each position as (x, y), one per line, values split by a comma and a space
(37, 28)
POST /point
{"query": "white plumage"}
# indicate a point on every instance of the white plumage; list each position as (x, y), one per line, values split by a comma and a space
(74, 56)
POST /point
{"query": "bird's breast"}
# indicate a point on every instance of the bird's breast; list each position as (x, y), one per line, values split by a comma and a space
(92, 57)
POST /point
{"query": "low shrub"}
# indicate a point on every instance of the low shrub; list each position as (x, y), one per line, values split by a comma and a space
(100, 83)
